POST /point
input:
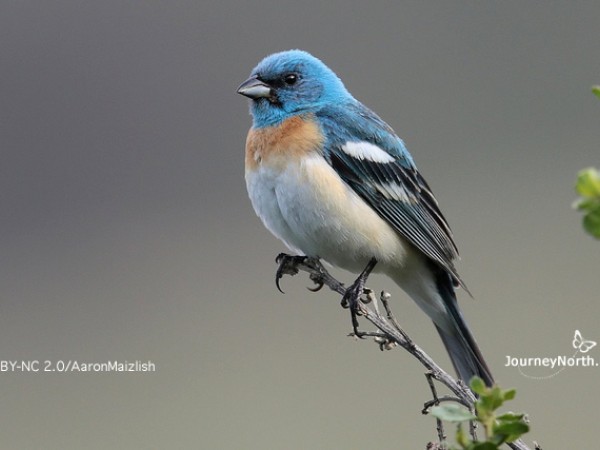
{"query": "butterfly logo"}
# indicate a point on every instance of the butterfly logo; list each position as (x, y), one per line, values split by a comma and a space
(581, 344)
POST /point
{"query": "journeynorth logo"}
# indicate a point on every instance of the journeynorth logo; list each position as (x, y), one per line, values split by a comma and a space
(581, 344)
(556, 363)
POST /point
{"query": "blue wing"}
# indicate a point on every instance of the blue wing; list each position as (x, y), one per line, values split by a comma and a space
(392, 186)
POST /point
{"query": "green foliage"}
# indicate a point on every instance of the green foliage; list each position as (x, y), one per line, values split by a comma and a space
(498, 429)
(588, 187)
(596, 90)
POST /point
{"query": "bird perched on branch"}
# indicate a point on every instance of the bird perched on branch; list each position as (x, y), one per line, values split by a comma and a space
(332, 180)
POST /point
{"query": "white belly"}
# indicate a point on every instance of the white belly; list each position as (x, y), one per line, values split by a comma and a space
(315, 213)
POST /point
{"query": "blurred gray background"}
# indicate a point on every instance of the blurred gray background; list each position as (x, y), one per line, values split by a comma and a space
(126, 232)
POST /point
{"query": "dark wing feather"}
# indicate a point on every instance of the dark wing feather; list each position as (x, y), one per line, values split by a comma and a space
(400, 195)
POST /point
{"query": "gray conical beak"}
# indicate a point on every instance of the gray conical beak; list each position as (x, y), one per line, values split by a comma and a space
(254, 88)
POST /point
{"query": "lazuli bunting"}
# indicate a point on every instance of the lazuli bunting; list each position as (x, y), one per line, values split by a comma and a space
(332, 180)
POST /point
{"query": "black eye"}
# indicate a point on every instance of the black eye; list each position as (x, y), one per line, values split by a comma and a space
(290, 79)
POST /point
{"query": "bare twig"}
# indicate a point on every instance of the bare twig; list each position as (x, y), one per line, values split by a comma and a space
(436, 401)
(390, 333)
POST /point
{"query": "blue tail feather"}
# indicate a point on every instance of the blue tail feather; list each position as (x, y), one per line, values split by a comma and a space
(459, 341)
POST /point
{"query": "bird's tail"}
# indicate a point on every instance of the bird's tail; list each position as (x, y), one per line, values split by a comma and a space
(458, 339)
(466, 357)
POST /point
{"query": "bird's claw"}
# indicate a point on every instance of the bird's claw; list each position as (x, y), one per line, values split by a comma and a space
(318, 285)
(288, 265)
(352, 299)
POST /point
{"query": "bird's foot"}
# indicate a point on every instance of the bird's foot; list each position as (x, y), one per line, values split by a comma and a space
(353, 298)
(291, 264)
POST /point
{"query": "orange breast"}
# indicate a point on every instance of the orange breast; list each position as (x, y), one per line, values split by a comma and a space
(294, 138)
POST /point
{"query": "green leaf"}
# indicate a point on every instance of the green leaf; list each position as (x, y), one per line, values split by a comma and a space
(588, 186)
(484, 446)
(461, 437)
(510, 416)
(513, 427)
(510, 394)
(451, 413)
(591, 223)
(490, 401)
(511, 430)
(596, 90)
(478, 386)
(587, 204)
(588, 183)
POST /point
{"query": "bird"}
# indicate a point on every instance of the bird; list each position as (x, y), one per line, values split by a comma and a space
(333, 181)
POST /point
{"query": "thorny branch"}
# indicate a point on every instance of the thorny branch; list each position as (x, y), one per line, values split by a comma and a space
(363, 302)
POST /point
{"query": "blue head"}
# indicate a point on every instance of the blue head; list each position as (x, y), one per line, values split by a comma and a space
(290, 83)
